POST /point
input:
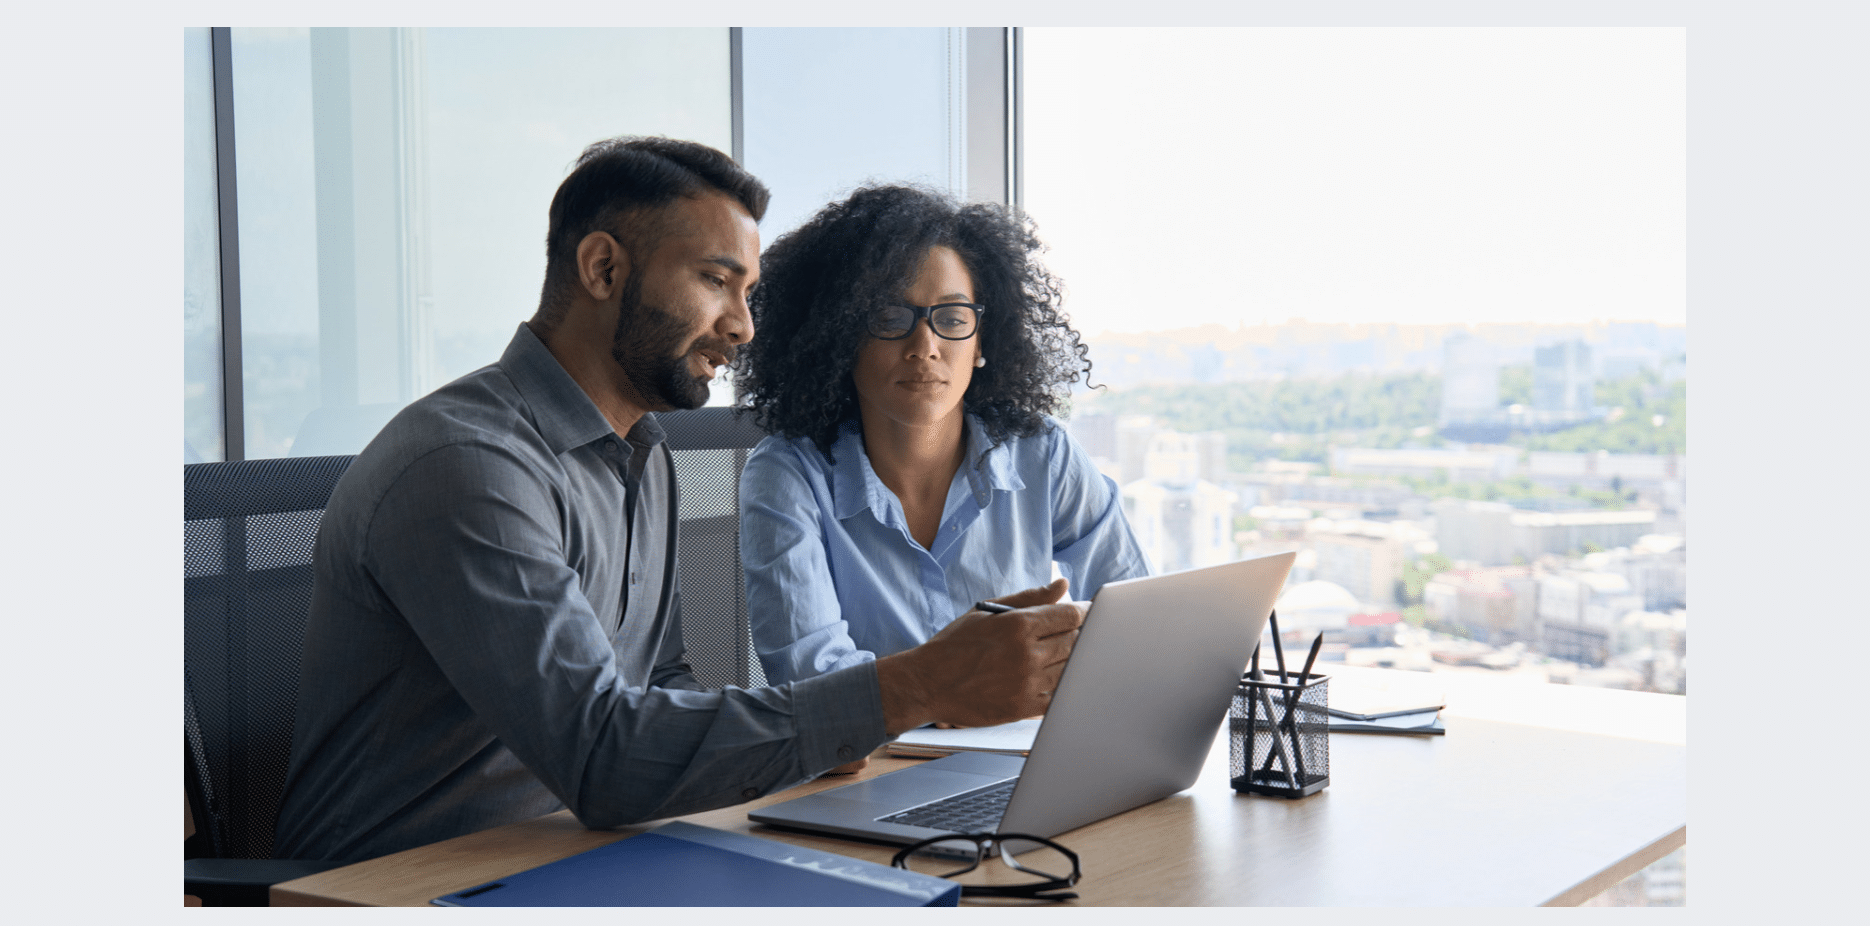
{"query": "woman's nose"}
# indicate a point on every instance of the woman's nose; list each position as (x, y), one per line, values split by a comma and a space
(922, 341)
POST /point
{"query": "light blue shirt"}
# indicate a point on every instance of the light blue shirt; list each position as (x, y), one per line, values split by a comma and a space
(834, 578)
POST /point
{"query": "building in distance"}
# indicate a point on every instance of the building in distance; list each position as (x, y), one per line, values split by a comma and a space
(1182, 519)
(1497, 534)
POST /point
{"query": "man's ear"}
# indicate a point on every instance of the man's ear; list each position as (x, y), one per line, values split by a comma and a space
(603, 265)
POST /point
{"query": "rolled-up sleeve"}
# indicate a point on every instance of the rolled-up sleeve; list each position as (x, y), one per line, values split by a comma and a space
(798, 624)
(470, 543)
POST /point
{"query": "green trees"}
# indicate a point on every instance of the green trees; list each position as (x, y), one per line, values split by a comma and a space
(1416, 575)
(1302, 419)
(1298, 419)
(1646, 416)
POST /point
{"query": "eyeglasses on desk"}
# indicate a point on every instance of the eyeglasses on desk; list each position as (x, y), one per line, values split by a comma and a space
(938, 856)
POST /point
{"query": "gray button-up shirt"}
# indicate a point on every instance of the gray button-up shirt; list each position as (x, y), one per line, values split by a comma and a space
(495, 633)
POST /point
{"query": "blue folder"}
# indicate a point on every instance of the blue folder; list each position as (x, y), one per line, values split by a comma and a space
(684, 865)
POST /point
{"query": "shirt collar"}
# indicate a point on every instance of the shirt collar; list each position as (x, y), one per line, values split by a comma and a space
(564, 415)
(855, 486)
(989, 466)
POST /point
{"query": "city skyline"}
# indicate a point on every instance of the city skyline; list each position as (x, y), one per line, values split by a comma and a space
(1219, 353)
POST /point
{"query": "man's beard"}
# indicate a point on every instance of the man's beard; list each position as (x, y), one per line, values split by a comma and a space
(648, 346)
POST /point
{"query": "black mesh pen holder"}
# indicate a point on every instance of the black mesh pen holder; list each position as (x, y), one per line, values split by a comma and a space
(1279, 736)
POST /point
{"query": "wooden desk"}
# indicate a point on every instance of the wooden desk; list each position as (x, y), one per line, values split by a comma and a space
(1495, 813)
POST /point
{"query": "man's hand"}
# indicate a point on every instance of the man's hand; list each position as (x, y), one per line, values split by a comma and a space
(984, 669)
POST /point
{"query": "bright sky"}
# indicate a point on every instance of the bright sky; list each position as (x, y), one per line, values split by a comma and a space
(1414, 175)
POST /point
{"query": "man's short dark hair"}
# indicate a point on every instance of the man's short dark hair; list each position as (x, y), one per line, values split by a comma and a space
(620, 186)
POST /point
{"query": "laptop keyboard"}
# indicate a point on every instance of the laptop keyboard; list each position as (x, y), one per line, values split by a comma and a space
(977, 811)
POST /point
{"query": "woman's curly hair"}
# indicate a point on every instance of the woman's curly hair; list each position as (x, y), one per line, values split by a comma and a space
(820, 282)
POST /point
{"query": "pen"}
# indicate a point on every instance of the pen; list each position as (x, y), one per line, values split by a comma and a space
(1292, 702)
(992, 607)
(1253, 709)
(1279, 745)
(1278, 752)
(1290, 723)
(1311, 657)
(1279, 652)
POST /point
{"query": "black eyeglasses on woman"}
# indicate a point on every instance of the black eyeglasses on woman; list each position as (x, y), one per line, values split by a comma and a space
(953, 321)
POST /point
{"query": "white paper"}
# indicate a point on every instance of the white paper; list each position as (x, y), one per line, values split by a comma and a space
(1015, 737)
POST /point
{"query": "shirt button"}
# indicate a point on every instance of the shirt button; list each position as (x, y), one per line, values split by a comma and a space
(610, 446)
(633, 578)
(846, 753)
(750, 794)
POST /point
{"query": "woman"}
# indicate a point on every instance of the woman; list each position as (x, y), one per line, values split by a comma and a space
(909, 350)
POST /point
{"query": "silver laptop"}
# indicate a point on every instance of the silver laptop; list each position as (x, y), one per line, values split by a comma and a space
(1139, 704)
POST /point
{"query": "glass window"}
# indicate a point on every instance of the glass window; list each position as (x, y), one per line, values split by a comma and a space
(278, 217)
(393, 188)
(1411, 302)
(393, 184)
(201, 257)
(829, 109)
(509, 110)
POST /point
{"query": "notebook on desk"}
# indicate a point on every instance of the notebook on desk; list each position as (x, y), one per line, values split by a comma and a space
(1131, 722)
(1013, 739)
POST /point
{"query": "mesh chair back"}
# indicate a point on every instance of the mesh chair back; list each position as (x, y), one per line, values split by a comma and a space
(709, 446)
(249, 528)
(247, 567)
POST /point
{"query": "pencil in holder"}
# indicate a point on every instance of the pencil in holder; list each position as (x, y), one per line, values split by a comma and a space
(1279, 736)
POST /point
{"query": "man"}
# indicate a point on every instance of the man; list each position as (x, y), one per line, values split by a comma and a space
(495, 629)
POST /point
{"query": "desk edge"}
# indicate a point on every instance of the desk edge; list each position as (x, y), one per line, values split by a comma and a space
(1635, 862)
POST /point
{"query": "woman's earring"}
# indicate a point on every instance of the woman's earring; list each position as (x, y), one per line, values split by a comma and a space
(980, 361)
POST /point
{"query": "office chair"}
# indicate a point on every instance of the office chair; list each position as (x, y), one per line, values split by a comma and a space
(248, 530)
(709, 447)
